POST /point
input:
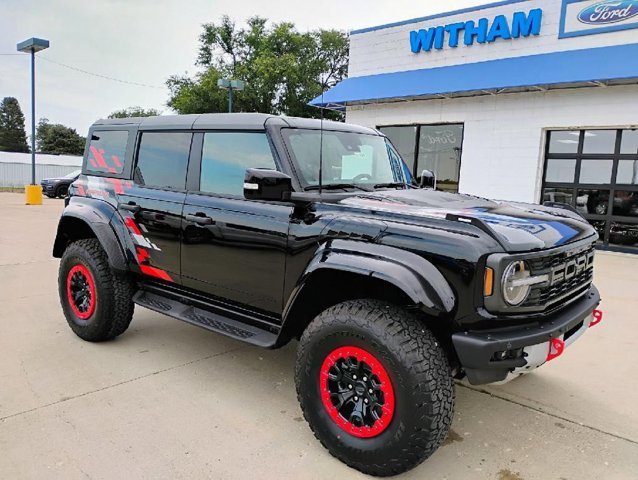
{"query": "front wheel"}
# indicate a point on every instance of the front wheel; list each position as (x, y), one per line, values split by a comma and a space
(375, 386)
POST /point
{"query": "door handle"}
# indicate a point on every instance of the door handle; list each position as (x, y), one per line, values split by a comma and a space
(199, 219)
(131, 207)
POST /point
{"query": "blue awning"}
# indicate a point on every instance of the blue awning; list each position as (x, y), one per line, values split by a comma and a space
(573, 68)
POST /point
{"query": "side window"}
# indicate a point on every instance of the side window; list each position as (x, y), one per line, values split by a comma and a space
(162, 159)
(106, 151)
(227, 155)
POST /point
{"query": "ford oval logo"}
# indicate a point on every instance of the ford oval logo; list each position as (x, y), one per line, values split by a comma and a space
(609, 11)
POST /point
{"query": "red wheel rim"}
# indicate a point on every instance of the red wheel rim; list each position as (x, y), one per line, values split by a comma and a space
(356, 391)
(80, 290)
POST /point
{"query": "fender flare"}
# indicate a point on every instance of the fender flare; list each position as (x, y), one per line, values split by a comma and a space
(418, 278)
(98, 216)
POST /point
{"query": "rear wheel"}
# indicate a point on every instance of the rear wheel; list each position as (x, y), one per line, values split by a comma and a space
(97, 303)
(62, 191)
(375, 386)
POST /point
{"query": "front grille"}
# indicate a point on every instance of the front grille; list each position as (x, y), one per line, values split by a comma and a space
(570, 274)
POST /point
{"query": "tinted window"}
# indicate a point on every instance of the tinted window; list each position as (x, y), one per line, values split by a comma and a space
(599, 141)
(629, 142)
(162, 159)
(560, 170)
(626, 203)
(627, 172)
(227, 155)
(596, 171)
(563, 141)
(562, 195)
(595, 202)
(106, 151)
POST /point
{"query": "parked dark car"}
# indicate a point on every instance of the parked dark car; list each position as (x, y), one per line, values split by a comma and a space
(268, 229)
(59, 187)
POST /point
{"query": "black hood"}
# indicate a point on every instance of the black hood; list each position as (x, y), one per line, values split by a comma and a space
(517, 226)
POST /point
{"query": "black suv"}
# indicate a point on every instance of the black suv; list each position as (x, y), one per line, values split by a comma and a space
(268, 229)
(59, 186)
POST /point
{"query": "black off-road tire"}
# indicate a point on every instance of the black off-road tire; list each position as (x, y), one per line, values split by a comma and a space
(417, 368)
(113, 309)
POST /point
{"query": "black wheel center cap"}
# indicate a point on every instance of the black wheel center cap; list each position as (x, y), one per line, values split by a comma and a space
(360, 388)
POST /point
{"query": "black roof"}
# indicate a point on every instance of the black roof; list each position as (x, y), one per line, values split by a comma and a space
(229, 121)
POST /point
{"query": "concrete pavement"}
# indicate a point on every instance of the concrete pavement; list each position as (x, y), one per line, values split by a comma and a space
(168, 400)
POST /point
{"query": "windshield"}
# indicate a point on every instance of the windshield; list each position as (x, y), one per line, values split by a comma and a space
(73, 174)
(349, 159)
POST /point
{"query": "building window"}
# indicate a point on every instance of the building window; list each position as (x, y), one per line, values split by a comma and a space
(430, 147)
(596, 171)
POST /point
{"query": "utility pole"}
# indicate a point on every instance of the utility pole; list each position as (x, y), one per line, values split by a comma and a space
(33, 192)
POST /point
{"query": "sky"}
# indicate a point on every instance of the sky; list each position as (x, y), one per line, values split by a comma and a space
(145, 42)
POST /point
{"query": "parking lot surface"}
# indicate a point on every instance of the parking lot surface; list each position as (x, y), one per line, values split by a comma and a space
(169, 400)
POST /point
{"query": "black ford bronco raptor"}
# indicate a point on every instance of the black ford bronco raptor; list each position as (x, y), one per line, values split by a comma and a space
(268, 229)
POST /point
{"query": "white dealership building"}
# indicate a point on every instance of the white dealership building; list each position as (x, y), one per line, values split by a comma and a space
(527, 100)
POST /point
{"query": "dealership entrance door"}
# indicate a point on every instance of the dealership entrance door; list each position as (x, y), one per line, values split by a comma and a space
(596, 171)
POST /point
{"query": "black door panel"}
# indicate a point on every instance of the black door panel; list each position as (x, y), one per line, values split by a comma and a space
(235, 249)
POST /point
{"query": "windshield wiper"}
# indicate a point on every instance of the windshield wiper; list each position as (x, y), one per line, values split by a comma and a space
(336, 186)
(391, 185)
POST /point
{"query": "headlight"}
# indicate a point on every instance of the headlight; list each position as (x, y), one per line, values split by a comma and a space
(516, 284)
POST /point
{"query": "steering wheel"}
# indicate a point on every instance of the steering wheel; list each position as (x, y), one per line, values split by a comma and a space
(362, 176)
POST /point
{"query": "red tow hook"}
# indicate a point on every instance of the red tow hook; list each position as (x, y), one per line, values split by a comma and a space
(598, 317)
(556, 347)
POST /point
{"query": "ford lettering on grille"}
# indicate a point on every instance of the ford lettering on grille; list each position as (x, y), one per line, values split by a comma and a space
(564, 276)
(570, 269)
(609, 11)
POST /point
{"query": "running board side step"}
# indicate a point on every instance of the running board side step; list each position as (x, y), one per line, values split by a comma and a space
(206, 319)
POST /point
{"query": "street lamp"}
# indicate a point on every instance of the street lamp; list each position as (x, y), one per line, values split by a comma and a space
(33, 192)
(230, 85)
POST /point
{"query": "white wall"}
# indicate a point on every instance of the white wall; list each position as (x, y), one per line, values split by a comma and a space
(15, 168)
(503, 139)
(388, 49)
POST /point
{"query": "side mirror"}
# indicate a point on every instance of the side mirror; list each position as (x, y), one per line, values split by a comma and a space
(428, 179)
(263, 184)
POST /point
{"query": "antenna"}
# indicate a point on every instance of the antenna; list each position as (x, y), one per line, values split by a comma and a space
(321, 140)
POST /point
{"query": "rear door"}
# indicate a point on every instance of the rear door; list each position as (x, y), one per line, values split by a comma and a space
(234, 249)
(152, 207)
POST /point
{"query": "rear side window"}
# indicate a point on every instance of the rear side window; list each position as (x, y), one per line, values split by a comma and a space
(227, 155)
(162, 160)
(106, 151)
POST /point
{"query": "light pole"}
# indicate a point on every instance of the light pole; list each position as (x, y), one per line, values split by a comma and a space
(230, 85)
(33, 192)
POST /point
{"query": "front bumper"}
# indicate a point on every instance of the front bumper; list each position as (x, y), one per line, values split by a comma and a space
(524, 347)
(48, 188)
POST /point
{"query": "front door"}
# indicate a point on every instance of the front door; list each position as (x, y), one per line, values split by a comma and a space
(234, 249)
(152, 207)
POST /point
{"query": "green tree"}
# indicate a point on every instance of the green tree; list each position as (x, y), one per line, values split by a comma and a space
(57, 139)
(283, 68)
(134, 112)
(13, 137)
